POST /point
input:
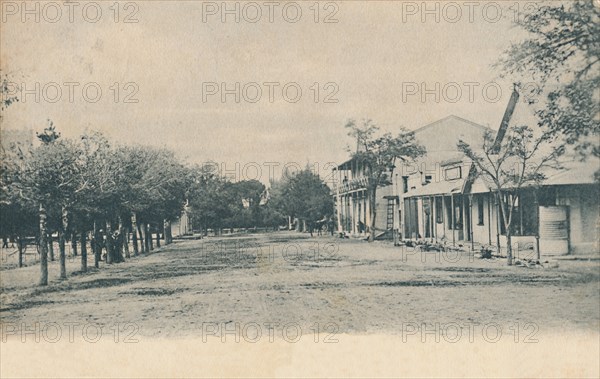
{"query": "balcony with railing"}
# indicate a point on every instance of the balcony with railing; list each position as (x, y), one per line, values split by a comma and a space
(351, 185)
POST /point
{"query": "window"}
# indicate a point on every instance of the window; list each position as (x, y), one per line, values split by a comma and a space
(439, 212)
(524, 216)
(480, 210)
(458, 213)
(428, 179)
(405, 184)
(453, 173)
(427, 209)
(448, 212)
(527, 214)
(455, 214)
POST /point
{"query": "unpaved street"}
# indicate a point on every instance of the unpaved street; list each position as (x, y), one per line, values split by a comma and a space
(344, 286)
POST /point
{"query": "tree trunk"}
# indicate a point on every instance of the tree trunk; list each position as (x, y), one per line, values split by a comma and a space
(149, 246)
(50, 247)
(134, 234)
(372, 194)
(83, 251)
(64, 225)
(509, 256)
(97, 246)
(134, 241)
(142, 233)
(126, 242)
(158, 238)
(20, 248)
(498, 215)
(507, 216)
(109, 244)
(167, 232)
(61, 241)
(43, 245)
(119, 242)
(74, 243)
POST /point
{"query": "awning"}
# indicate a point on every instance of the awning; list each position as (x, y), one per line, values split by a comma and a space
(571, 173)
(438, 188)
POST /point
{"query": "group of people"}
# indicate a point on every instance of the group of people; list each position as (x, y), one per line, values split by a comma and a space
(6, 239)
(104, 243)
(100, 242)
(325, 224)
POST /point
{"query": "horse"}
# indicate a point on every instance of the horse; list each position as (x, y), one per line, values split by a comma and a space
(318, 226)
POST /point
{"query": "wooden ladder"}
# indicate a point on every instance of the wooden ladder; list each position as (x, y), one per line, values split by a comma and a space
(391, 203)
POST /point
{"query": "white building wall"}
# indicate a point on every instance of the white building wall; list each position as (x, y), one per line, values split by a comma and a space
(481, 233)
(181, 226)
(584, 216)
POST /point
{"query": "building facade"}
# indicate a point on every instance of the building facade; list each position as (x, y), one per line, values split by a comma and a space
(350, 193)
(435, 199)
(353, 209)
(560, 215)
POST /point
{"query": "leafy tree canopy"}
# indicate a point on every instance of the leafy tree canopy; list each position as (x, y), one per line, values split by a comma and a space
(562, 54)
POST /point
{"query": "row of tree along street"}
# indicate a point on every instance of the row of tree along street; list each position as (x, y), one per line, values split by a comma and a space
(91, 189)
(113, 198)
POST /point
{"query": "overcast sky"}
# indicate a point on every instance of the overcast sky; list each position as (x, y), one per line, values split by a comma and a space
(372, 54)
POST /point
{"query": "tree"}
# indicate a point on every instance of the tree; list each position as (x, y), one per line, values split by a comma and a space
(163, 187)
(563, 56)
(516, 162)
(98, 199)
(19, 217)
(276, 201)
(75, 186)
(271, 214)
(8, 92)
(245, 197)
(217, 203)
(379, 155)
(305, 196)
(50, 179)
(208, 198)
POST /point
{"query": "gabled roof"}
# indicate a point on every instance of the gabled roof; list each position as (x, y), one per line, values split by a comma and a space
(480, 186)
(451, 154)
(435, 123)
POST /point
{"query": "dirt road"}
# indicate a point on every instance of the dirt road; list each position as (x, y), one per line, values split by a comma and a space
(341, 286)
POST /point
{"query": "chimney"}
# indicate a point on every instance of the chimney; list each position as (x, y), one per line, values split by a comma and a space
(510, 108)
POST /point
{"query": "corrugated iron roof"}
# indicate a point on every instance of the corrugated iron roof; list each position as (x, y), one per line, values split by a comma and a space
(437, 188)
(571, 173)
(574, 173)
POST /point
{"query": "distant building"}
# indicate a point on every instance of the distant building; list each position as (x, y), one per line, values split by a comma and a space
(183, 225)
(350, 196)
